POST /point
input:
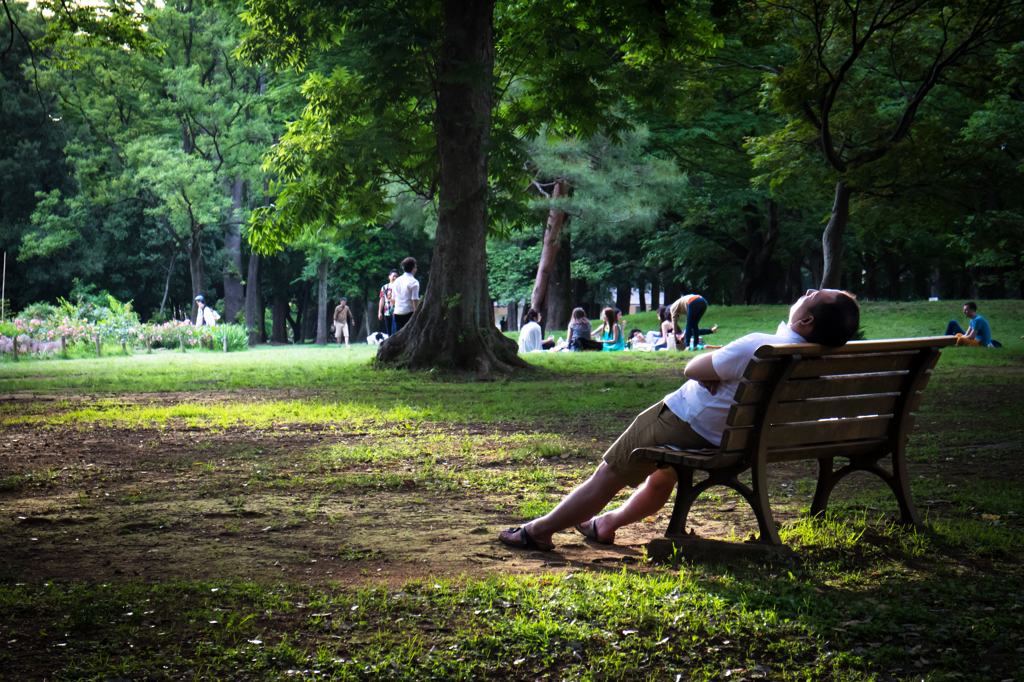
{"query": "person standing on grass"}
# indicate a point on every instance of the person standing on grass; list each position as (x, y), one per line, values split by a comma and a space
(342, 316)
(978, 332)
(386, 307)
(692, 417)
(406, 290)
(205, 316)
(691, 308)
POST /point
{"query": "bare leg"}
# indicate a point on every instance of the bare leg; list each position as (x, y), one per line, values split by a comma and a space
(579, 505)
(646, 501)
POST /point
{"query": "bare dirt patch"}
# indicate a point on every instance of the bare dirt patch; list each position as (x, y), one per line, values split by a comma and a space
(98, 502)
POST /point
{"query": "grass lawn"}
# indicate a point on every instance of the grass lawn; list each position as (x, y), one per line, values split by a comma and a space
(296, 513)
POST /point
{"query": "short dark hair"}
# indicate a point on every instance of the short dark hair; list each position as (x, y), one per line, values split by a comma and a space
(531, 314)
(409, 264)
(393, 272)
(837, 322)
(972, 305)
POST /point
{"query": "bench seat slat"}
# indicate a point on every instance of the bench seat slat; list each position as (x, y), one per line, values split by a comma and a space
(695, 459)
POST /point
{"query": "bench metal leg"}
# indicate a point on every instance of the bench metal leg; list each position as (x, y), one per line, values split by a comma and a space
(687, 493)
(897, 482)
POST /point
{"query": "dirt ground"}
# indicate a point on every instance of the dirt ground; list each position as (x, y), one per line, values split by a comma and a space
(92, 503)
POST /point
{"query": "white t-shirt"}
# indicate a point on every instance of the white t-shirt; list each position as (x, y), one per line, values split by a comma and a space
(406, 289)
(207, 316)
(706, 413)
(530, 338)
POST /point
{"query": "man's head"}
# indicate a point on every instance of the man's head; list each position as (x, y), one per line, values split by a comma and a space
(201, 301)
(971, 310)
(828, 316)
(409, 264)
(343, 301)
(392, 275)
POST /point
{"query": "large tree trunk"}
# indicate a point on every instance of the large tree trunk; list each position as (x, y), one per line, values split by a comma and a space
(321, 303)
(549, 252)
(454, 326)
(655, 276)
(870, 276)
(234, 294)
(757, 285)
(254, 301)
(279, 319)
(623, 292)
(559, 298)
(892, 269)
(832, 239)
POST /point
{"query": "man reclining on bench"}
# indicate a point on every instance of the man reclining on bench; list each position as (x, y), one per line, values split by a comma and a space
(692, 417)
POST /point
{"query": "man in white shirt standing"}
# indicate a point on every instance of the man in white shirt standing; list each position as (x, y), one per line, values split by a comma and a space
(406, 290)
(694, 416)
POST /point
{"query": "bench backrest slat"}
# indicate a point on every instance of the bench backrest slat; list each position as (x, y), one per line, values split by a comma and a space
(818, 408)
(850, 448)
(825, 387)
(862, 393)
(761, 370)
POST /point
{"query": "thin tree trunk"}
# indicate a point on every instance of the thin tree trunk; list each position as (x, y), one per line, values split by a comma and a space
(321, 303)
(454, 326)
(167, 284)
(832, 239)
(254, 301)
(234, 293)
(549, 252)
(195, 264)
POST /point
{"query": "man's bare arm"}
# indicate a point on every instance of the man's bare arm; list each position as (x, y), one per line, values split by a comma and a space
(702, 370)
(380, 309)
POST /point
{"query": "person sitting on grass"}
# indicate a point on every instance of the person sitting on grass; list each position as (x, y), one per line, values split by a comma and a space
(530, 336)
(578, 334)
(692, 417)
(978, 332)
(613, 339)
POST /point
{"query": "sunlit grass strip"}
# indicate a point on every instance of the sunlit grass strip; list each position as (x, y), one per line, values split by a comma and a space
(224, 414)
(700, 624)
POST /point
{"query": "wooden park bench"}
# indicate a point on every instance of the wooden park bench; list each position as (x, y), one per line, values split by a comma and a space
(805, 401)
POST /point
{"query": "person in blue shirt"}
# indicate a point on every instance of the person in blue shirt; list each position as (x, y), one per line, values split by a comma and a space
(978, 332)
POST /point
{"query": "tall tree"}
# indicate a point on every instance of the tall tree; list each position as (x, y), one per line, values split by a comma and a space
(854, 81)
(404, 93)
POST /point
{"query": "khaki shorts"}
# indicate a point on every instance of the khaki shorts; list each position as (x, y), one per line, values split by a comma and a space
(657, 425)
(339, 329)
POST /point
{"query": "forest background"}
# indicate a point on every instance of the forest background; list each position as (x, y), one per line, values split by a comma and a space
(741, 150)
